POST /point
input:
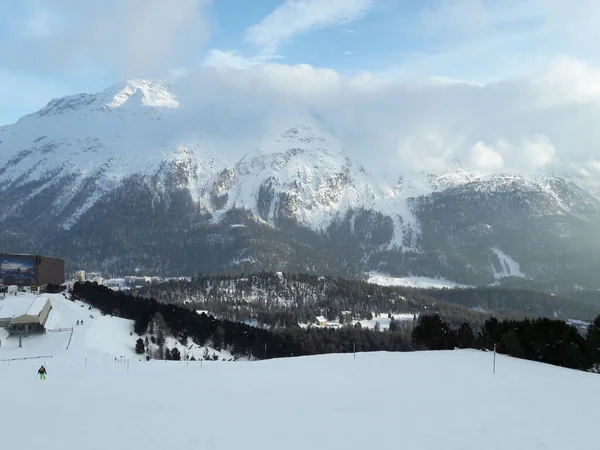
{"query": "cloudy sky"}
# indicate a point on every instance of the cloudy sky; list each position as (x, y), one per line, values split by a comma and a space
(493, 84)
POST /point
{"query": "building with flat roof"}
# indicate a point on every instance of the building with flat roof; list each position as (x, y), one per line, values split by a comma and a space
(31, 270)
(24, 312)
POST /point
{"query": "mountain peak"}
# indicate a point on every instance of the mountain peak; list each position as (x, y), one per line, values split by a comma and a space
(132, 94)
(138, 93)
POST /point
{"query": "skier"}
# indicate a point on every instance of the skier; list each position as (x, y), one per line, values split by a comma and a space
(42, 372)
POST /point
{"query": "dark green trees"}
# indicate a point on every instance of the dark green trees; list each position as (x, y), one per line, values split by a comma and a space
(139, 347)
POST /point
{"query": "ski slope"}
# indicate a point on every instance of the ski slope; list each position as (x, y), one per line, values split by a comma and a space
(383, 279)
(101, 336)
(425, 400)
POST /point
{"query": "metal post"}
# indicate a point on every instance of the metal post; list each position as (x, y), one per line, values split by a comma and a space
(494, 358)
(354, 348)
(20, 341)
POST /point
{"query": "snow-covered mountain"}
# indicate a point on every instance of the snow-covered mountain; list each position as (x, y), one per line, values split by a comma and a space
(138, 176)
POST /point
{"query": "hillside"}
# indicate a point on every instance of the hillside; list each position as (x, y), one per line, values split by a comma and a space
(100, 336)
(424, 400)
(276, 299)
(141, 172)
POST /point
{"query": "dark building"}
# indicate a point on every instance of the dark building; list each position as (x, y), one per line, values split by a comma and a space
(31, 270)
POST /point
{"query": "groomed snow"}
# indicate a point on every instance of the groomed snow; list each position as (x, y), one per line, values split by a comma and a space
(427, 400)
(510, 267)
(383, 279)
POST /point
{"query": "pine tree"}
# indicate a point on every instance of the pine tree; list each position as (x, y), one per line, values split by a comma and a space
(175, 354)
(433, 333)
(160, 340)
(168, 355)
(139, 346)
(593, 343)
(465, 336)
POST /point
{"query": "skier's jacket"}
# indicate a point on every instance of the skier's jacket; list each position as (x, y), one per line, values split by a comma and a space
(42, 370)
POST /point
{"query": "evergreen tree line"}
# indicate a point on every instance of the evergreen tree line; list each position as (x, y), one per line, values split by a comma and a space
(285, 299)
(271, 299)
(542, 340)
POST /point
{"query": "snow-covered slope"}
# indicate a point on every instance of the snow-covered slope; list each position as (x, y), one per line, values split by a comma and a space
(416, 282)
(420, 401)
(97, 336)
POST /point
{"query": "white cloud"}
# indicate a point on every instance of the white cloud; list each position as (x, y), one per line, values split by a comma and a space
(229, 59)
(490, 40)
(595, 165)
(137, 37)
(572, 79)
(302, 16)
(539, 151)
(403, 125)
(486, 158)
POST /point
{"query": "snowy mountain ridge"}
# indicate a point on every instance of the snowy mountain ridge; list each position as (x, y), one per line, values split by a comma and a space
(144, 143)
(99, 140)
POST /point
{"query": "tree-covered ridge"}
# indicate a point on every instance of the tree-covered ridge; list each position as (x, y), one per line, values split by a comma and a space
(282, 299)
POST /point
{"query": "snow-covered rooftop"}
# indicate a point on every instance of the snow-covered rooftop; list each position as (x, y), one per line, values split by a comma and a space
(21, 305)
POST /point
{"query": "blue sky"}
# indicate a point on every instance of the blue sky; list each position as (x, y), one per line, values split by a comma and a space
(52, 48)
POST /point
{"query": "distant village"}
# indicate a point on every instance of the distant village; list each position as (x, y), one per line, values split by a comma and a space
(123, 283)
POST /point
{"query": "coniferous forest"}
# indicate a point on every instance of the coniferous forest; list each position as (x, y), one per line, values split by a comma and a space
(279, 299)
(544, 340)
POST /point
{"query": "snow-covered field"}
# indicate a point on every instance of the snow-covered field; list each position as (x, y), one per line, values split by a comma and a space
(383, 279)
(425, 400)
